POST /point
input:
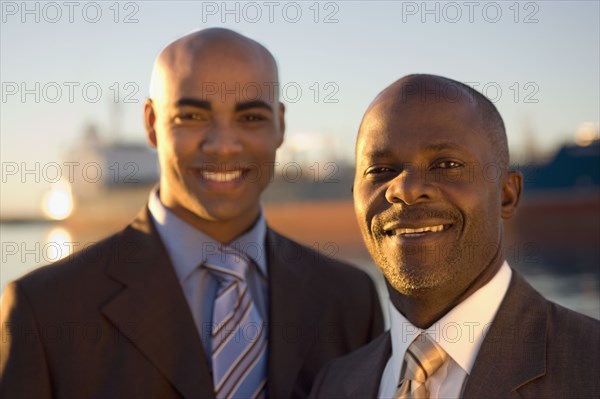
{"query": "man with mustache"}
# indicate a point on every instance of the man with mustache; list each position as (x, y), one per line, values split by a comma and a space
(431, 189)
(198, 297)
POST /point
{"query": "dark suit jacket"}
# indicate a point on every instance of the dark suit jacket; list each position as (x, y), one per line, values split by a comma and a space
(534, 349)
(112, 322)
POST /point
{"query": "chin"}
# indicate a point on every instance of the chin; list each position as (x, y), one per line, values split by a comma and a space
(414, 278)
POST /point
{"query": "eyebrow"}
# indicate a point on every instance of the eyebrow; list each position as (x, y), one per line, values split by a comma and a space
(242, 106)
(194, 103)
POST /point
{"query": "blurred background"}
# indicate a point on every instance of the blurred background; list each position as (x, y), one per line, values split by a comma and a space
(76, 167)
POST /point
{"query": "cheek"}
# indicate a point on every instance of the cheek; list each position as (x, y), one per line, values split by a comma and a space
(262, 149)
(481, 212)
(365, 207)
(180, 144)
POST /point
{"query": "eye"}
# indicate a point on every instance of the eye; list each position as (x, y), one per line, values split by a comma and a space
(189, 117)
(447, 164)
(253, 117)
(376, 171)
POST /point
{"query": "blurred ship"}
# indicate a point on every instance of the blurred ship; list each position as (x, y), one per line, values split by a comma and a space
(557, 227)
(113, 184)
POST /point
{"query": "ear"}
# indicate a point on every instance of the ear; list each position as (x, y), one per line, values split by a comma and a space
(511, 193)
(281, 123)
(149, 122)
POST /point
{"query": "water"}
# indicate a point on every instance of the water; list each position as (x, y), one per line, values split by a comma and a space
(25, 247)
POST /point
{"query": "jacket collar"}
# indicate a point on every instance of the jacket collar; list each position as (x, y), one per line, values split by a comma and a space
(364, 380)
(514, 349)
(143, 310)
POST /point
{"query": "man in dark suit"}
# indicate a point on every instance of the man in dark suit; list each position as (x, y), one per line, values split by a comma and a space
(138, 315)
(432, 186)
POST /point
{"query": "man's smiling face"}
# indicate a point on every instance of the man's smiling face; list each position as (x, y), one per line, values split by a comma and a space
(216, 122)
(427, 199)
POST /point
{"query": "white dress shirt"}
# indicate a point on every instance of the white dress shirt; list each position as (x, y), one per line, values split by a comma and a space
(460, 333)
(188, 248)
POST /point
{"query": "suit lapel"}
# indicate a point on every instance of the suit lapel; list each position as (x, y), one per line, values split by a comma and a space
(363, 381)
(514, 349)
(152, 311)
(292, 315)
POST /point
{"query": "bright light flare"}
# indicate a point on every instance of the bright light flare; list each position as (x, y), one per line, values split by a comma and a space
(586, 134)
(57, 244)
(57, 204)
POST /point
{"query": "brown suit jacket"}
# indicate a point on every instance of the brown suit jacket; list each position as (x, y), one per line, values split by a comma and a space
(534, 349)
(112, 322)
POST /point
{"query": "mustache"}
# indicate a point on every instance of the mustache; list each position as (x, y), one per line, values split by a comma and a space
(412, 214)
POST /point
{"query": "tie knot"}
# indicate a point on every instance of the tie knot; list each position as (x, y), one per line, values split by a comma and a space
(423, 358)
(227, 264)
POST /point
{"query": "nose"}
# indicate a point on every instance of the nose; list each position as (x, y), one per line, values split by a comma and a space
(409, 187)
(221, 140)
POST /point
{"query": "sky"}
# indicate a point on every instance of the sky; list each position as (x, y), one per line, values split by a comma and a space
(65, 65)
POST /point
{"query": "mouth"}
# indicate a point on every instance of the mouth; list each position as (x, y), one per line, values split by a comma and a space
(414, 232)
(221, 177)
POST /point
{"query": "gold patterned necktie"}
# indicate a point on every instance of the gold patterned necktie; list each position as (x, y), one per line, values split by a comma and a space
(422, 359)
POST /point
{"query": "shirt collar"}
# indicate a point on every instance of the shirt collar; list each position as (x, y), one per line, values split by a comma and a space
(185, 243)
(461, 331)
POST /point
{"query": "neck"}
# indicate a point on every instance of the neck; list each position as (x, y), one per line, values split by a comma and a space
(223, 231)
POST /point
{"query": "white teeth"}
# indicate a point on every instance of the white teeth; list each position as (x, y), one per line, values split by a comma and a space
(222, 177)
(433, 229)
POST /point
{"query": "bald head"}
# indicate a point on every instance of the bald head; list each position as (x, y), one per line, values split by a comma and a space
(215, 118)
(429, 90)
(189, 54)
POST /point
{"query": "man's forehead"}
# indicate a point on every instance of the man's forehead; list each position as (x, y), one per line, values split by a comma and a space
(218, 67)
(211, 62)
(432, 126)
(373, 138)
(388, 111)
(217, 82)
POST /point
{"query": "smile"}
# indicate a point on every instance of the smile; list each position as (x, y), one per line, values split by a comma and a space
(221, 177)
(416, 232)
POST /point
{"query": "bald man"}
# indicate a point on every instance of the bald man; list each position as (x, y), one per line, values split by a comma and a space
(431, 189)
(197, 297)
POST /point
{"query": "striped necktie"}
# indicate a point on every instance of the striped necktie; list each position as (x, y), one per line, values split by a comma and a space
(422, 359)
(239, 344)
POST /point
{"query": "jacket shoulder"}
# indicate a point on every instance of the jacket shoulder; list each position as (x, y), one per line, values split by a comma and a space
(375, 352)
(574, 340)
(78, 281)
(91, 259)
(358, 372)
(318, 260)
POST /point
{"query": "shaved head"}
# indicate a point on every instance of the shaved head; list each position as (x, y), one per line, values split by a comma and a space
(215, 118)
(216, 45)
(432, 89)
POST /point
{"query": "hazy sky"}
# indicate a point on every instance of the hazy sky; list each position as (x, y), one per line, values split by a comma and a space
(64, 64)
